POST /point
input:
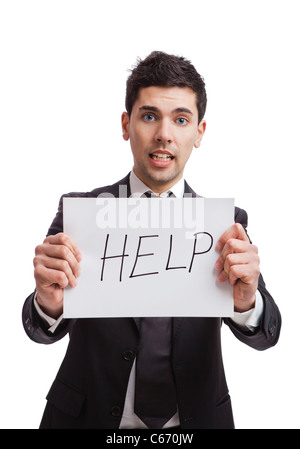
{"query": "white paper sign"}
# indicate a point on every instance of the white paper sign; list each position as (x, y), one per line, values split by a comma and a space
(148, 257)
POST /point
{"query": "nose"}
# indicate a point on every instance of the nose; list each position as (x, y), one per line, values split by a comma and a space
(164, 133)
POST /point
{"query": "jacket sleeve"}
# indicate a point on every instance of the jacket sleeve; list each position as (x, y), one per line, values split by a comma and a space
(37, 329)
(267, 334)
(35, 326)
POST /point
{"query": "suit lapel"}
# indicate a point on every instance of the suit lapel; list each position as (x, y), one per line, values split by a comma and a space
(120, 189)
(188, 191)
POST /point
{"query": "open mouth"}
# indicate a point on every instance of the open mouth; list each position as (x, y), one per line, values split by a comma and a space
(163, 157)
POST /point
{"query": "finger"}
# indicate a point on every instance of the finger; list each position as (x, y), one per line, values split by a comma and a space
(235, 246)
(235, 231)
(232, 274)
(232, 246)
(236, 259)
(63, 239)
(243, 270)
(45, 277)
(57, 264)
(59, 252)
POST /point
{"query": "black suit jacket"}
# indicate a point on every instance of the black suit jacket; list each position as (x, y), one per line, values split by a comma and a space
(90, 387)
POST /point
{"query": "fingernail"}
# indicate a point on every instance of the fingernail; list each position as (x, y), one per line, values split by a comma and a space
(222, 277)
(218, 265)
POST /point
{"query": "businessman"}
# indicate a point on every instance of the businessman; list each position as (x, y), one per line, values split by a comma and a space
(157, 373)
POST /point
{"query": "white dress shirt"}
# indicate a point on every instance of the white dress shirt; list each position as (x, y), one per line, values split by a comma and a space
(247, 320)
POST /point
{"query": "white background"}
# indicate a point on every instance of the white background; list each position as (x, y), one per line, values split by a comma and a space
(64, 66)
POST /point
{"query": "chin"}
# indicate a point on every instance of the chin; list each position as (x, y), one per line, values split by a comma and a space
(161, 179)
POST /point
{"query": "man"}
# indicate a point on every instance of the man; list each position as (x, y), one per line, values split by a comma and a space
(101, 378)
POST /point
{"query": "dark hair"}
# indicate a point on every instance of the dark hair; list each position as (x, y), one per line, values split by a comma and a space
(164, 70)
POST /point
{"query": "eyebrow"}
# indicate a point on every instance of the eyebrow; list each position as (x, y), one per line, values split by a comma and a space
(179, 110)
(149, 108)
(175, 111)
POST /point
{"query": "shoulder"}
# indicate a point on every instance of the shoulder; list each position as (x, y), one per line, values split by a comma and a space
(112, 189)
(241, 216)
(118, 189)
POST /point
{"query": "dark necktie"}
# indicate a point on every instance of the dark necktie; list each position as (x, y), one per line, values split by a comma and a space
(155, 392)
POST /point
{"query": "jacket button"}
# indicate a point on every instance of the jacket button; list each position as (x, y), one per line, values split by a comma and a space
(28, 324)
(128, 355)
(272, 330)
(116, 411)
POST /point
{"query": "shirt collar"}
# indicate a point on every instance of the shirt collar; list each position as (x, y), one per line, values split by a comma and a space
(138, 188)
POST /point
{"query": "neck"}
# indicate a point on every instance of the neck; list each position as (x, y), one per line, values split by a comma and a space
(157, 187)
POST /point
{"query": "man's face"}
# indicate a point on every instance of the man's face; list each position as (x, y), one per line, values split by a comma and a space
(163, 129)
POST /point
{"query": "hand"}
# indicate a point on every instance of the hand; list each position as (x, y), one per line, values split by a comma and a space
(239, 264)
(56, 265)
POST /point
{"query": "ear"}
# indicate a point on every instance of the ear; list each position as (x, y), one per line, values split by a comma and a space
(125, 125)
(200, 133)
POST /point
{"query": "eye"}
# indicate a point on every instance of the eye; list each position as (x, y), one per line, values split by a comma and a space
(149, 117)
(182, 121)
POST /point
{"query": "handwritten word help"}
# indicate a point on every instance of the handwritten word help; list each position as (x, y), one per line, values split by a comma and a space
(205, 239)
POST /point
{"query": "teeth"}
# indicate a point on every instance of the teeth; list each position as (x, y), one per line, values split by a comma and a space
(161, 157)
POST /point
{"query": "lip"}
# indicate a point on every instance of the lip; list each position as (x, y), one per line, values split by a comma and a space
(159, 151)
(161, 163)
